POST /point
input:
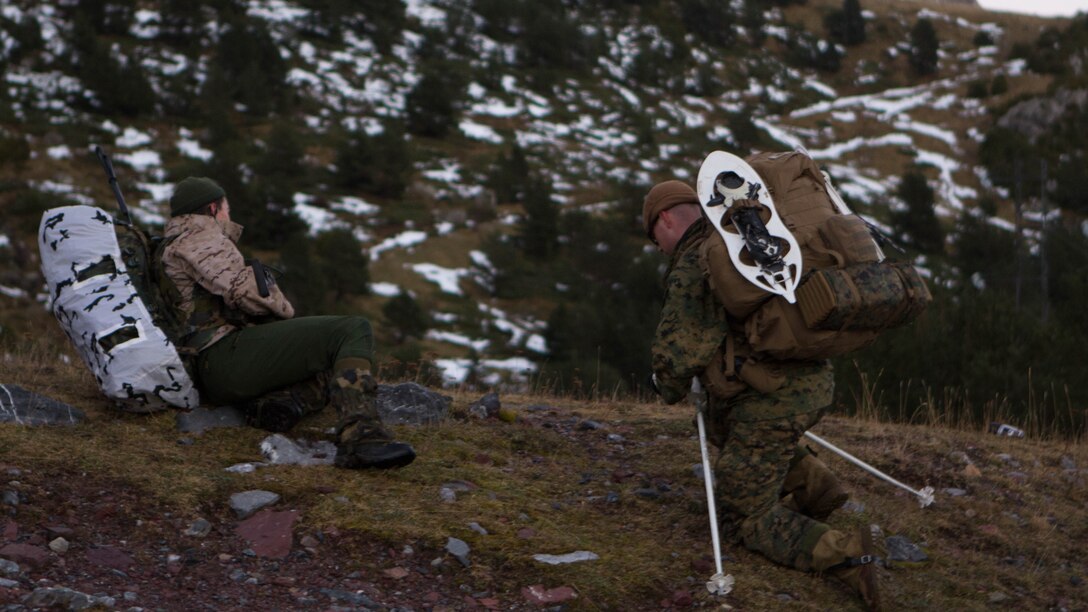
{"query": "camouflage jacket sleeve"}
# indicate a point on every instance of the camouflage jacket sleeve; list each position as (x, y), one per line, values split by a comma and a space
(213, 261)
(692, 327)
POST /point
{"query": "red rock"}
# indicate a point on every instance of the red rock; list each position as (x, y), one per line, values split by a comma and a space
(483, 459)
(287, 581)
(703, 565)
(619, 475)
(490, 603)
(432, 597)
(34, 556)
(681, 599)
(396, 573)
(11, 531)
(269, 532)
(60, 530)
(526, 533)
(109, 557)
(989, 529)
(537, 594)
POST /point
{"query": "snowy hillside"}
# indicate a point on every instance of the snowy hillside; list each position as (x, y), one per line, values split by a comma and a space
(621, 121)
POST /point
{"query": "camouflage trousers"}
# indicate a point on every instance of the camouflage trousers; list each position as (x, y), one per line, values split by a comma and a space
(753, 461)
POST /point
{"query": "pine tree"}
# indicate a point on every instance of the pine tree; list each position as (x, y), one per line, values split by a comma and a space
(919, 221)
(343, 265)
(405, 316)
(923, 47)
(540, 229)
(847, 26)
(434, 104)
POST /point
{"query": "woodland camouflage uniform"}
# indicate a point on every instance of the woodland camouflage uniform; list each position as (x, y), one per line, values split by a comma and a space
(251, 352)
(772, 494)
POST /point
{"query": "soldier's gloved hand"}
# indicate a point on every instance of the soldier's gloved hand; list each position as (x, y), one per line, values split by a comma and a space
(653, 384)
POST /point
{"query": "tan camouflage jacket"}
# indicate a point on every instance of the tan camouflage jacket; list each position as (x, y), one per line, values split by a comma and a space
(202, 256)
(693, 323)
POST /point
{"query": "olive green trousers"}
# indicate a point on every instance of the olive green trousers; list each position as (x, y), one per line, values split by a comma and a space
(256, 360)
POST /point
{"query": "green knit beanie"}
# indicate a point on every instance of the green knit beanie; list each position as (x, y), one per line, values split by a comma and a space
(193, 193)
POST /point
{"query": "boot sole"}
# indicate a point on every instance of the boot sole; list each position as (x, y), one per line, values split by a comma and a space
(397, 459)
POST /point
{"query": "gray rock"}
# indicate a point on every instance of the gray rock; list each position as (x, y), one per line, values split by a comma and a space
(243, 468)
(353, 598)
(486, 407)
(959, 457)
(281, 450)
(201, 419)
(901, 548)
(854, 506)
(8, 584)
(9, 498)
(22, 407)
(615, 438)
(998, 597)
(647, 493)
(1033, 117)
(9, 568)
(574, 557)
(199, 528)
(477, 528)
(447, 495)
(459, 549)
(1067, 463)
(589, 425)
(954, 492)
(612, 497)
(59, 546)
(246, 503)
(411, 404)
(49, 597)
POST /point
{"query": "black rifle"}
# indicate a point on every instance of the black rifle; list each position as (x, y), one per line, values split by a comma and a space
(259, 274)
(108, 167)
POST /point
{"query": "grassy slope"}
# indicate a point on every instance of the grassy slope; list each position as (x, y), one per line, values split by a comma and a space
(1011, 533)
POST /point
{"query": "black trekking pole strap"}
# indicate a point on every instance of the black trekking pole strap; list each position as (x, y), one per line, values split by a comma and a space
(108, 167)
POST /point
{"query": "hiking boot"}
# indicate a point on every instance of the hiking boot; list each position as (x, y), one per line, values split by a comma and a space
(851, 558)
(360, 445)
(810, 488)
(278, 411)
(361, 440)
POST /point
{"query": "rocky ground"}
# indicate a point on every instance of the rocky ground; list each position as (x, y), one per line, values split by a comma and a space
(500, 492)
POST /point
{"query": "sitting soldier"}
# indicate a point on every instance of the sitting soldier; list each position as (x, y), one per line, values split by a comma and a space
(275, 371)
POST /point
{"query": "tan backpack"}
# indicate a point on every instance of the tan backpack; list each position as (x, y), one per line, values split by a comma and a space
(848, 293)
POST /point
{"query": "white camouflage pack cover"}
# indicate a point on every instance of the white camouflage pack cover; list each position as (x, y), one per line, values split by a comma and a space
(143, 373)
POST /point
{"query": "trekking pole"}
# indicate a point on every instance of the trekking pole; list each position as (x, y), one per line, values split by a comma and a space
(108, 167)
(719, 583)
(925, 495)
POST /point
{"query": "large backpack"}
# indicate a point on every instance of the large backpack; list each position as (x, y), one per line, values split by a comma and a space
(106, 293)
(848, 293)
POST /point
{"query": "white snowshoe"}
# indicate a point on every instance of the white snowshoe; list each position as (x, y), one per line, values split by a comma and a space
(764, 252)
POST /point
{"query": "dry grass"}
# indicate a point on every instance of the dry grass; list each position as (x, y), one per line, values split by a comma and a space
(1011, 533)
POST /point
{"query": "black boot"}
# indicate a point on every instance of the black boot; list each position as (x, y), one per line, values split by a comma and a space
(278, 411)
(360, 445)
(361, 440)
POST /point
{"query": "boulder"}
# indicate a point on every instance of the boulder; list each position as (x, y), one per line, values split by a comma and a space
(411, 404)
(22, 407)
